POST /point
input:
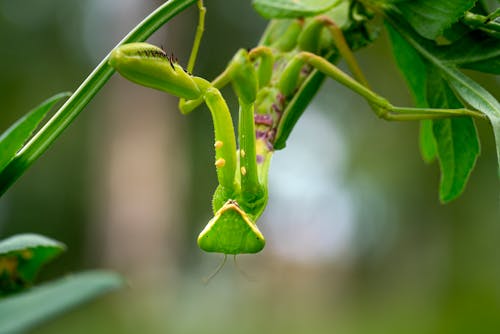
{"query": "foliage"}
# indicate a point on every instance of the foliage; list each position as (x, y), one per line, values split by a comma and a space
(21, 258)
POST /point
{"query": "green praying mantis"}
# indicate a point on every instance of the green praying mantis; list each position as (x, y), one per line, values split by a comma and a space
(274, 82)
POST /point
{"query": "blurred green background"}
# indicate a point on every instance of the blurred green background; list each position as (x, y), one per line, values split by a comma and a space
(357, 239)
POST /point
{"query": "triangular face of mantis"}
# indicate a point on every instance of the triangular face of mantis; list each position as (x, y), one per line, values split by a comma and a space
(231, 232)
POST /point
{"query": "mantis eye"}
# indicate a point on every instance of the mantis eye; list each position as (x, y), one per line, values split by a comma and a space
(231, 232)
(149, 66)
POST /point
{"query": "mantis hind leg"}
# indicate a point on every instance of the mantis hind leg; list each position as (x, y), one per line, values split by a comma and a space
(309, 42)
(382, 107)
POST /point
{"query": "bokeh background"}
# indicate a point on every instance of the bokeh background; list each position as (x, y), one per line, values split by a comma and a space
(357, 239)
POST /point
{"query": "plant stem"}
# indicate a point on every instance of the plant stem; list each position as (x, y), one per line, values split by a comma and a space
(42, 140)
(199, 34)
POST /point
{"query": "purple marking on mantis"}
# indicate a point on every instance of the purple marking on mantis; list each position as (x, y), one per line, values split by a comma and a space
(270, 135)
(264, 119)
(260, 134)
(269, 145)
(260, 158)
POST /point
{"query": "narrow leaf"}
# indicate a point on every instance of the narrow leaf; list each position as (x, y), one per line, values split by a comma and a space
(24, 311)
(479, 98)
(273, 9)
(22, 242)
(430, 17)
(13, 139)
(473, 93)
(456, 139)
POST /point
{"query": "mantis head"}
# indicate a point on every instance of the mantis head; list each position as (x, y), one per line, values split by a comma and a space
(150, 66)
(231, 231)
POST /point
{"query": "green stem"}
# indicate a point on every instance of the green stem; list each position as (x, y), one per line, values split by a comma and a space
(42, 140)
(199, 34)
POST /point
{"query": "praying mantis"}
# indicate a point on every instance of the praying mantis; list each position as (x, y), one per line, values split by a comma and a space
(274, 82)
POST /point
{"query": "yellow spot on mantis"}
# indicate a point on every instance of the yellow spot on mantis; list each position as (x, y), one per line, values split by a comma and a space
(218, 144)
(242, 153)
(243, 171)
(220, 163)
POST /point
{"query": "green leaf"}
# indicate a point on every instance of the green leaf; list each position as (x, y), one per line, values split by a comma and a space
(24, 311)
(411, 65)
(491, 66)
(22, 242)
(431, 17)
(22, 256)
(479, 98)
(456, 140)
(13, 139)
(473, 93)
(414, 70)
(474, 51)
(274, 9)
(458, 149)
(468, 90)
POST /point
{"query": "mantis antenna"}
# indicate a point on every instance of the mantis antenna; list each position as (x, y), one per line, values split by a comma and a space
(241, 271)
(216, 271)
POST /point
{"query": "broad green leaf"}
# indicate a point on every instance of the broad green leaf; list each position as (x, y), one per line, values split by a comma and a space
(411, 65)
(414, 70)
(25, 310)
(456, 140)
(13, 139)
(22, 256)
(458, 149)
(22, 242)
(274, 9)
(431, 17)
(468, 90)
